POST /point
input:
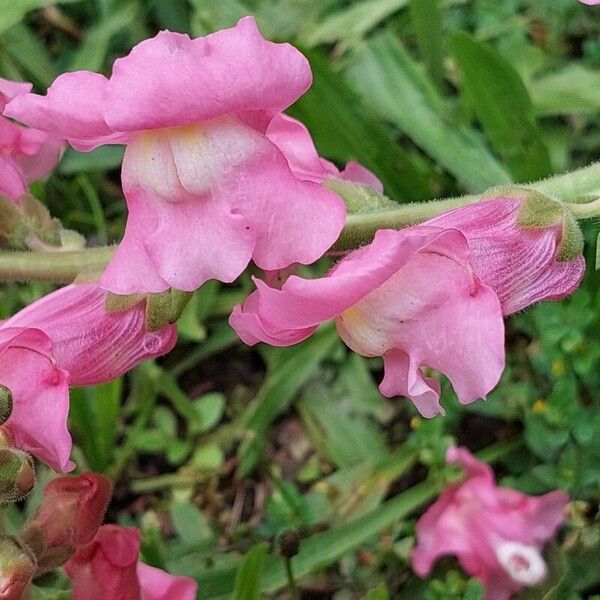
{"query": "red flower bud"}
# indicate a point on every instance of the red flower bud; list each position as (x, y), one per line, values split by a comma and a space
(73, 509)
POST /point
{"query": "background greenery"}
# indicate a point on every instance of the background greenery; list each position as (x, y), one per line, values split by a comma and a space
(218, 450)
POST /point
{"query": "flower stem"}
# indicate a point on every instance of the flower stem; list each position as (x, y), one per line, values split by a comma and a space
(580, 188)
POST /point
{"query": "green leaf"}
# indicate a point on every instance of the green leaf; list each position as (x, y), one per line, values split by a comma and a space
(190, 524)
(502, 105)
(573, 89)
(92, 53)
(379, 593)
(351, 24)
(345, 129)
(249, 574)
(294, 368)
(427, 20)
(210, 409)
(13, 11)
(28, 51)
(100, 159)
(95, 413)
(390, 81)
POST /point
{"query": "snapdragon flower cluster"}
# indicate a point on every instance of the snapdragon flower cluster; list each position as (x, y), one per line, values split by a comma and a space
(215, 176)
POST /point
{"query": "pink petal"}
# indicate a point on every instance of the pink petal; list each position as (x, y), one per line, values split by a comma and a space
(157, 584)
(251, 328)
(205, 199)
(432, 313)
(518, 264)
(40, 396)
(173, 80)
(356, 173)
(72, 109)
(92, 345)
(43, 161)
(10, 89)
(293, 139)
(12, 182)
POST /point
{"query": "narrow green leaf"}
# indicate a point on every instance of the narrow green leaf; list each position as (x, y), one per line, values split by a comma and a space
(502, 105)
(427, 21)
(249, 574)
(345, 129)
(573, 89)
(352, 23)
(28, 51)
(379, 593)
(390, 81)
(294, 368)
(95, 413)
(92, 53)
(100, 159)
(13, 11)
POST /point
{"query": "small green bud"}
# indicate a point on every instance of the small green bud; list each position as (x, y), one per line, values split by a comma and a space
(17, 475)
(6, 403)
(17, 567)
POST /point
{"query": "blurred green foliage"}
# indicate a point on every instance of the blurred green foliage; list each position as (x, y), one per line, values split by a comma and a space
(218, 450)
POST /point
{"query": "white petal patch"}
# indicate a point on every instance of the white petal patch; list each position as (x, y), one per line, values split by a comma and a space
(524, 564)
(192, 160)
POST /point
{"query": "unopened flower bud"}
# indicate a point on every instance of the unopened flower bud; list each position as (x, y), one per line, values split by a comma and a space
(17, 567)
(6, 403)
(72, 510)
(17, 474)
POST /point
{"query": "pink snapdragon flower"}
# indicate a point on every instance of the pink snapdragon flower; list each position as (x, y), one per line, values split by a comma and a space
(497, 533)
(432, 295)
(411, 297)
(26, 154)
(206, 189)
(108, 569)
(67, 338)
(590, 2)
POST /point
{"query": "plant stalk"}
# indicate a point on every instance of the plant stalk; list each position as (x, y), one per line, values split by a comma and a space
(580, 189)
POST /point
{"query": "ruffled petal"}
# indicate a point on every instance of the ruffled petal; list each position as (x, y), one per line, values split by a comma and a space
(71, 110)
(172, 80)
(91, 344)
(435, 312)
(252, 328)
(10, 89)
(40, 396)
(157, 584)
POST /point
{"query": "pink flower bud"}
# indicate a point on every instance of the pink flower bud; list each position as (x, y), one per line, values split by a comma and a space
(497, 533)
(73, 509)
(108, 568)
(17, 567)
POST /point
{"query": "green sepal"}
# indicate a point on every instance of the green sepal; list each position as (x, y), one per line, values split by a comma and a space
(6, 403)
(165, 308)
(359, 198)
(17, 475)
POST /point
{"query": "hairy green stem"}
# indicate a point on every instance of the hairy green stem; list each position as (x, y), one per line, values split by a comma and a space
(580, 188)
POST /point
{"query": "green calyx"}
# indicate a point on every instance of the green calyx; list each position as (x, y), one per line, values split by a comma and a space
(17, 475)
(6, 403)
(540, 212)
(162, 309)
(359, 199)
